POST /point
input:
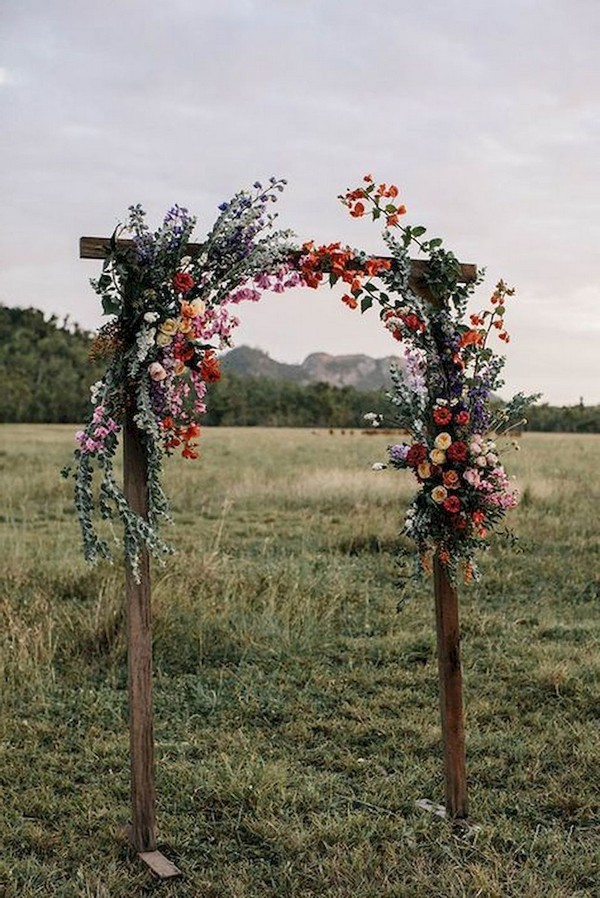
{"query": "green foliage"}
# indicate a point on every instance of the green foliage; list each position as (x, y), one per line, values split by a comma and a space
(566, 419)
(44, 368)
(46, 375)
(252, 401)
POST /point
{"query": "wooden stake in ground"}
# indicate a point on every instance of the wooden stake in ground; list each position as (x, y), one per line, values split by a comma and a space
(142, 830)
(450, 677)
(139, 659)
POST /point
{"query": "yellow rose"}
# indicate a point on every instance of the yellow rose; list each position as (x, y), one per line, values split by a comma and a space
(424, 470)
(169, 327)
(439, 494)
(442, 441)
(163, 339)
(179, 367)
(198, 307)
(437, 456)
(185, 326)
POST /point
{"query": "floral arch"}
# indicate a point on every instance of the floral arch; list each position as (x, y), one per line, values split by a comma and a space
(172, 307)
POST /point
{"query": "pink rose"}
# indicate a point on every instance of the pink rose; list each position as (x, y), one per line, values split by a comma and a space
(156, 371)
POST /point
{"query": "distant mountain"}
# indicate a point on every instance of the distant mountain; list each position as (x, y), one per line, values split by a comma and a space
(359, 371)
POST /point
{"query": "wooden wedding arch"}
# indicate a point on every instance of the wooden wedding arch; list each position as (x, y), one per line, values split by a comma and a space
(142, 829)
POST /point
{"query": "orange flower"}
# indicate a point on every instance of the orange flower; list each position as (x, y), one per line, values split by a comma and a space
(472, 338)
(358, 210)
(191, 432)
(210, 369)
(451, 479)
(350, 301)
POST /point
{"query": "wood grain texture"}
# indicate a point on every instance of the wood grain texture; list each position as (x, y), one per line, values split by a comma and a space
(139, 634)
(451, 702)
(98, 247)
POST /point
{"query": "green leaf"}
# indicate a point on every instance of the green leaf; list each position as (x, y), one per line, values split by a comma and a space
(376, 213)
(418, 231)
(366, 303)
(104, 281)
(435, 242)
(111, 305)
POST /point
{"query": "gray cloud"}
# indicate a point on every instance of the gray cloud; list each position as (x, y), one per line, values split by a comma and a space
(485, 114)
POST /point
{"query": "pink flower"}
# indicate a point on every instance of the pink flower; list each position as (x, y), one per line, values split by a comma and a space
(472, 477)
(156, 371)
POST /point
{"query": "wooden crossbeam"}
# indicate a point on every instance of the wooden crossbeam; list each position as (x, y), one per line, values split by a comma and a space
(99, 247)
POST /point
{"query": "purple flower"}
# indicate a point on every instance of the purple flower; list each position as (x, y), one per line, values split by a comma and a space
(398, 454)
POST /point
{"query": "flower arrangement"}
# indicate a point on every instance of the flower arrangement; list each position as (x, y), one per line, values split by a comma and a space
(171, 309)
(444, 395)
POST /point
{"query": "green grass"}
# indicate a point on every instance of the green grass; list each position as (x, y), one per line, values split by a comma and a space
(296, 705)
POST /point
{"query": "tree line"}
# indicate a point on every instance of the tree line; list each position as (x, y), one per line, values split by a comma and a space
(46, 373)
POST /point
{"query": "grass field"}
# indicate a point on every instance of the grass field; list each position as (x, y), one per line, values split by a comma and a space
(296, 703)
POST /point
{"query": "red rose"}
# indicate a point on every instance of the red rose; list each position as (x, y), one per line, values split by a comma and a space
(442, 415)
(457, 451)
(452, 504)
(416, 454)
(462, 418)
(183, 282)
(413, 322)
(459, 522)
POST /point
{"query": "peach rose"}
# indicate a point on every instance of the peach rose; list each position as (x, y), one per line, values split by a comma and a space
(439, 494)
(442, 440)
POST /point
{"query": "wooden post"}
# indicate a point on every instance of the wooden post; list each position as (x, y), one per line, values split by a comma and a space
(450, 684)
(142, 830)
(139, 660)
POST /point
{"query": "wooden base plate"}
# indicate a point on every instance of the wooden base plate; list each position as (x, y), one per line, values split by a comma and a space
(160, 865)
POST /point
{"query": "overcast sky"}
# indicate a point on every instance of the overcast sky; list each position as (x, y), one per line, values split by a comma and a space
(486, 114)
